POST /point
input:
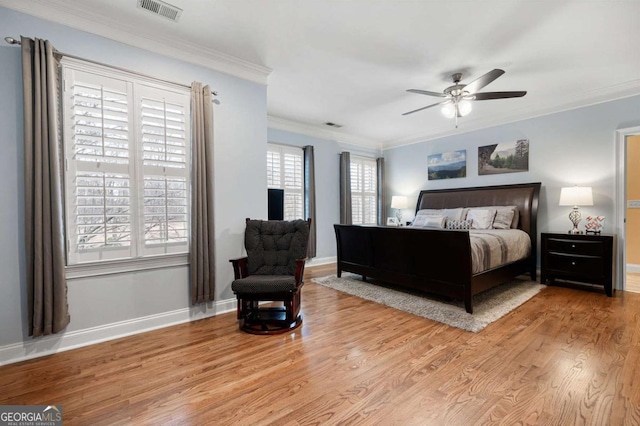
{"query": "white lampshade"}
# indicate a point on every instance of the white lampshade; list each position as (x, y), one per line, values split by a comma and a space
(464, 106)
(398, 202)
(576, 196)
(449, 110)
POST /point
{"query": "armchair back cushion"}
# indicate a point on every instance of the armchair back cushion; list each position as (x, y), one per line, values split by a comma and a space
(273, 246)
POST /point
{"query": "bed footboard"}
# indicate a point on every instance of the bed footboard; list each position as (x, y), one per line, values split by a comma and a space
(429, 260)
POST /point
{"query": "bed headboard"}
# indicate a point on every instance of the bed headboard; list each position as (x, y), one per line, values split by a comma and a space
(523, 195)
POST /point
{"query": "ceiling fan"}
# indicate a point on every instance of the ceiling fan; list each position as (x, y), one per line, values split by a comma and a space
(458, 97)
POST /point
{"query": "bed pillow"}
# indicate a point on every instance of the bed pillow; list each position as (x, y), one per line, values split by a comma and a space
(434, 222)
(455, 214)
(514, 220)
(452, 214)
(419, 221)
(429, 212)
(481, 218)
(459, 224)
(504, 218)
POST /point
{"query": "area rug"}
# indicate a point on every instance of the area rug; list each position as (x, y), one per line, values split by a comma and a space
(488, 306)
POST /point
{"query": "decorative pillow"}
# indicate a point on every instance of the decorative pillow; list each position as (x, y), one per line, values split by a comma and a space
(429, 212)
(516, 218)
(514, 221)
(453, 214)
(434, 222)
(459, 224)
(420, 220)
(504, 218)
(482, 218)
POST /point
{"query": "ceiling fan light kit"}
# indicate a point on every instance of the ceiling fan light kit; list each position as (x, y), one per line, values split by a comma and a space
(459, 97)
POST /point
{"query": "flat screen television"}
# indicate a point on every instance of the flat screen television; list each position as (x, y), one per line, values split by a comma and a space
(276, 204)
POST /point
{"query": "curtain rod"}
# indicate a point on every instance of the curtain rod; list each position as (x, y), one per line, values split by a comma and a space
(11, 40)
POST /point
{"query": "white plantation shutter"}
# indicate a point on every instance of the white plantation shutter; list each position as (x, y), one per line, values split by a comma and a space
(165, 210)
(357, 208)
(285, 171)
(293, 189)
(103, 210)
(369, 192)
(165, 169)
(126, 165)
(163, 133)
(363, 191)
(98, 167)
(274, 175)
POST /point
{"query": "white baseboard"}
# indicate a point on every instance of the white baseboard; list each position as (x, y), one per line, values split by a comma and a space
(317, 261)
(633, 268)
(76, 339)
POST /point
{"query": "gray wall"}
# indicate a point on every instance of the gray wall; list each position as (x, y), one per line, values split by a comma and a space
(574, 147)
(240, 131)
(327, 182)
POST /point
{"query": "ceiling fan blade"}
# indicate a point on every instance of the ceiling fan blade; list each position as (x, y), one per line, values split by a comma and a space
(426, 92)
(420, 109)
(480, 82)
(497, 95)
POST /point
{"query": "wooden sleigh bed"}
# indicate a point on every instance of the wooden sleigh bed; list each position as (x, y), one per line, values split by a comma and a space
(436, 260)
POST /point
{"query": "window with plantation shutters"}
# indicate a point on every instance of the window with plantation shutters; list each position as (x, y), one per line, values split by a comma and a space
(126, 165)
(363, 191)
(285, 171)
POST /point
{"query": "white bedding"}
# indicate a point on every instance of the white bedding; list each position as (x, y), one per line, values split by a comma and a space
(491, 248)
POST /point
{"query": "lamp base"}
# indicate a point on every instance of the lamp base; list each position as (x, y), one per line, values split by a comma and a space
(575, 217)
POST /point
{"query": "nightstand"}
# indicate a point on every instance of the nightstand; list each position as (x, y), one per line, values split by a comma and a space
(585, 258)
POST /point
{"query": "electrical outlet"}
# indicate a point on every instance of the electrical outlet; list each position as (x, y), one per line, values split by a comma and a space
(633, 204)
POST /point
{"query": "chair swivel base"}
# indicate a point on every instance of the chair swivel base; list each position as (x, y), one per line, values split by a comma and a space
(269, 321)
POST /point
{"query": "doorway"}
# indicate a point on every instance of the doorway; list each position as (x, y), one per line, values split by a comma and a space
(628, 209)
(632, 237)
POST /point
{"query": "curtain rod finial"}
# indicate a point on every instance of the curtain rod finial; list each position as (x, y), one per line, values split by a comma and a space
(11, 40)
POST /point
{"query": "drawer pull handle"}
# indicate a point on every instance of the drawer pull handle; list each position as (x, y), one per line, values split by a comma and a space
(573, 246)
(573, 263)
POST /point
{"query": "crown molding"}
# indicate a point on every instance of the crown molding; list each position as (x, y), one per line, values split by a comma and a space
(280, 123)
(592, 97)
(63, 12)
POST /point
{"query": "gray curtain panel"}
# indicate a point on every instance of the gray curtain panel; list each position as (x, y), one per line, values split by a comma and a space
(201, 254)
(310, 197)
(48, 309)
(382, 195)
(345, 189)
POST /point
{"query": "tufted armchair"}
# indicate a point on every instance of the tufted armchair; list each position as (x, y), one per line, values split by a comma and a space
(272, 271)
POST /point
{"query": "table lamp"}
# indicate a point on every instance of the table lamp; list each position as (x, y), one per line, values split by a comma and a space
(399, 202)
(576, 196)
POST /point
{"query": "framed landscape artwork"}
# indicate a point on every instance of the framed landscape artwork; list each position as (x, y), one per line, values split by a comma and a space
(510, 157)
(448, 165)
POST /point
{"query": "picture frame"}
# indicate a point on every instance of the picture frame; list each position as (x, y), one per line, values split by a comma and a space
(509, 157)
(392, 221)
(447, 165)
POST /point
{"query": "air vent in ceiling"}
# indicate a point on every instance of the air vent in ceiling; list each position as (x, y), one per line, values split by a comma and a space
(161, 8)
(330, 124)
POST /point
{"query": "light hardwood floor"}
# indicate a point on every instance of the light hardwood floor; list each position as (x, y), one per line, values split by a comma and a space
(565, 357)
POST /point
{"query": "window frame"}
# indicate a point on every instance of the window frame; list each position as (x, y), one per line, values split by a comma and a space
(298, 152)
(141, 256)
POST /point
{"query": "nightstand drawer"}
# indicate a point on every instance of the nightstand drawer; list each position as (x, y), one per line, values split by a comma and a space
(584, 266)
(590, 248)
